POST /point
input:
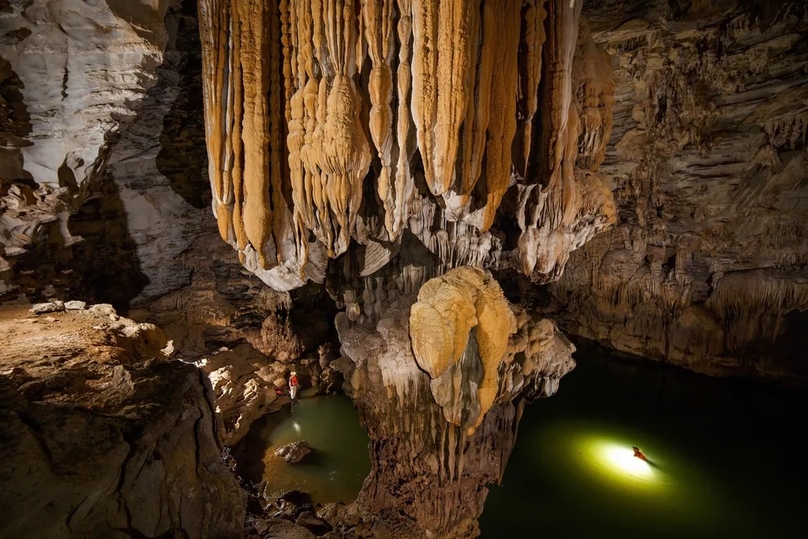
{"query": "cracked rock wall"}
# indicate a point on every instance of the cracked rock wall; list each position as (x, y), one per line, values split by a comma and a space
(708, 265)
(102, 436)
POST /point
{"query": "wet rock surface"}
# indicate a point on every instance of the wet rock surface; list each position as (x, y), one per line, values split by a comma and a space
(101, 435)
(295, 452)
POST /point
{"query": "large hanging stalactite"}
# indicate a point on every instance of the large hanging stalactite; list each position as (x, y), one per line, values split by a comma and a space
(492, 95)
(407, 122)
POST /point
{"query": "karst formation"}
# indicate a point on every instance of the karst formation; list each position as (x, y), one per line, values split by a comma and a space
(377, 145)
(418, 203)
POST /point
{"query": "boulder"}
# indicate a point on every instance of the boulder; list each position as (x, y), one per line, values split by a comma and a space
(295, 452)
(100, 436)
(75, 305)
(49, 307)
(312, 523)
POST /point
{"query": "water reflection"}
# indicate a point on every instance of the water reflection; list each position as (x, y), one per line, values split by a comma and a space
(573, 472)
(333, 472)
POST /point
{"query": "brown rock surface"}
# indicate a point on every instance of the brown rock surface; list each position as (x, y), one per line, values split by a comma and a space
(242, 334)
(436, 444)
(708, 265)
(102, 436)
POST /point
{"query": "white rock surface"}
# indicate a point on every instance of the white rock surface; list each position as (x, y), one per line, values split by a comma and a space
(81, 67)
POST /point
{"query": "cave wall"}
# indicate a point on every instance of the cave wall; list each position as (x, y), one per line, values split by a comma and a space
(104, 168)
(72, 88)
(707, 267)
(102, 436)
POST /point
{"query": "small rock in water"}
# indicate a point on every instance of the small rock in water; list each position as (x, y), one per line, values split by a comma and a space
(295, 452)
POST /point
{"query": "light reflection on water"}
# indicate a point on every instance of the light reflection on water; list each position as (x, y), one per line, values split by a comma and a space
(724, 460)
(337, 467)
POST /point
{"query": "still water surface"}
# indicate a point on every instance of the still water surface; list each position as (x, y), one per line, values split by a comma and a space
(726, 458)
(334, 472)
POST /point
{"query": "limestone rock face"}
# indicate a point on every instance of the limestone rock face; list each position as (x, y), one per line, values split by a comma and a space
(439, 437)
(245, 336)
(708, 265)
(102, 436)
(340, 128)
(71, 71)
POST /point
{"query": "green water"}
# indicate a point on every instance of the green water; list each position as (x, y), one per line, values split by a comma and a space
(334, 472)
(726, 458)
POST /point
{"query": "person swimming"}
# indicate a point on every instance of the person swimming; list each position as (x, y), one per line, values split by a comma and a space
(639, 454)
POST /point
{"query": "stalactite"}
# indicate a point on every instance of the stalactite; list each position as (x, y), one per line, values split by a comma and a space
(349, 83)
(595, 96)
(378, 22)
(404, 184)
(502, 22)
(251, 21)
(214, 27)
(534, 38)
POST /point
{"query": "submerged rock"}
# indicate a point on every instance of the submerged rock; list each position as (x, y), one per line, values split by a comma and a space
(295, 452)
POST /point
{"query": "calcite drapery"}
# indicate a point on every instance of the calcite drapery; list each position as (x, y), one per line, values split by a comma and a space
(426, 468)
(459, 327)
(492, 95)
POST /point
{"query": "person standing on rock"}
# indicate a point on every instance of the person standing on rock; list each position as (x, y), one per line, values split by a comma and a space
(293, 385)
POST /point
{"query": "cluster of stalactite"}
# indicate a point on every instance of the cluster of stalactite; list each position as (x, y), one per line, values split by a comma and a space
(332, 123)
(440, 381)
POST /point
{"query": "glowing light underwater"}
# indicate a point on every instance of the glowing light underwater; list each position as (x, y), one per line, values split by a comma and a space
(614, 461)
(593, 453)
(623, 458)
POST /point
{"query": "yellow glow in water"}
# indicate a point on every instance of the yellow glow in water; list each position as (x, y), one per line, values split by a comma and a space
(613, 461)
(623, 459)
(608, 458)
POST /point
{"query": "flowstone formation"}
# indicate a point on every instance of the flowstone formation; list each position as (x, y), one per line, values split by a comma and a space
(440, 382)
(337, 128)
(374, 145)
